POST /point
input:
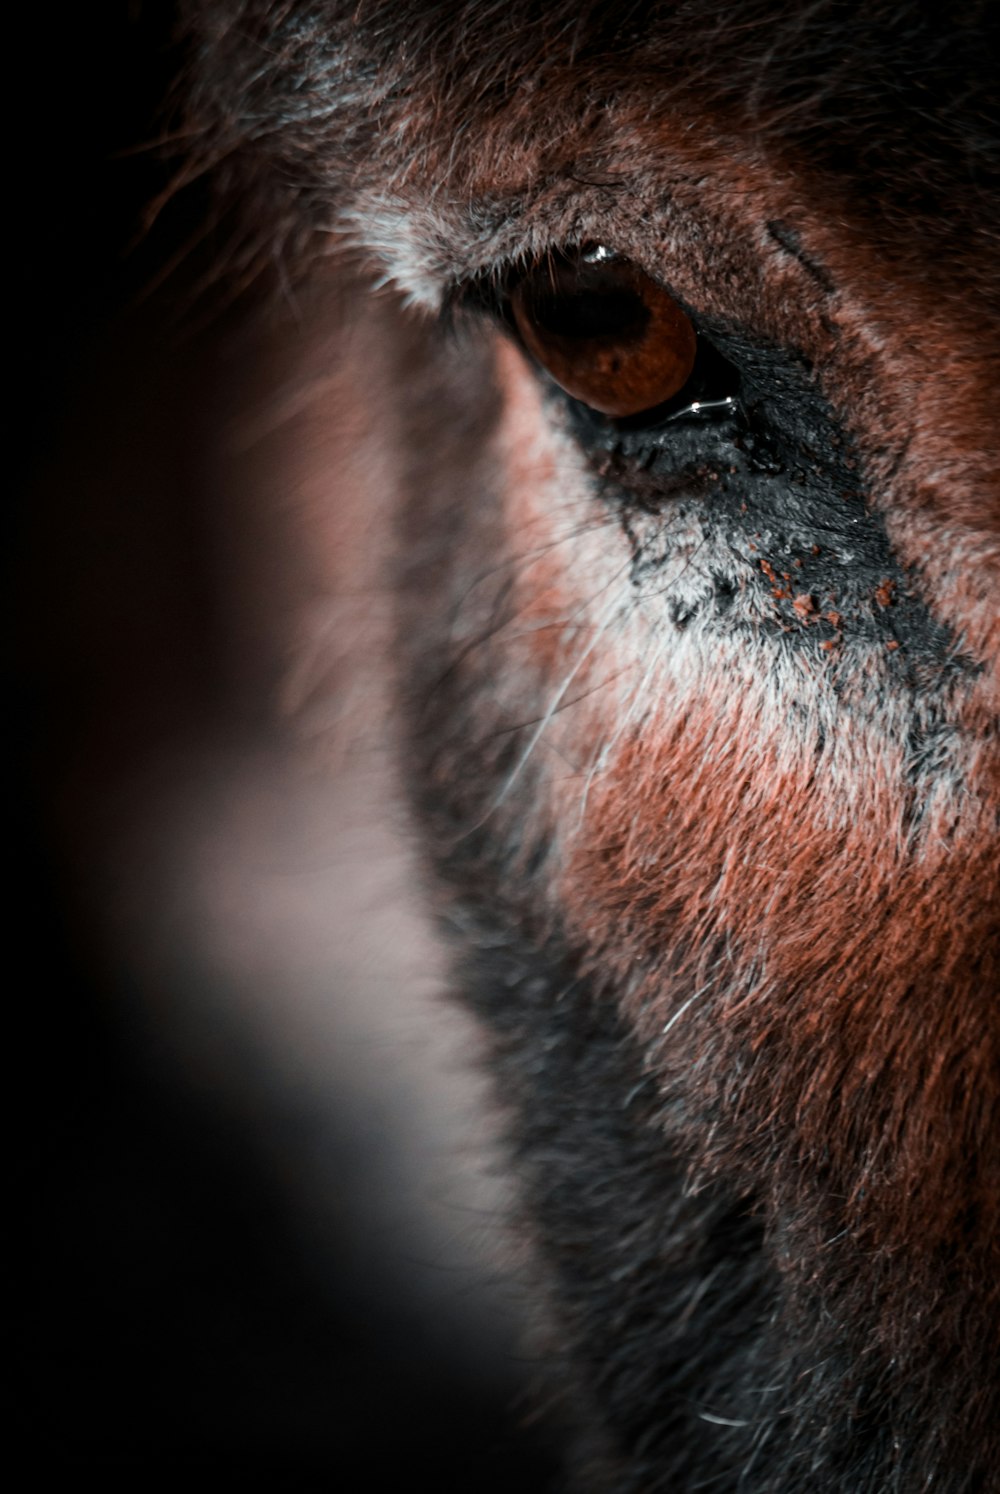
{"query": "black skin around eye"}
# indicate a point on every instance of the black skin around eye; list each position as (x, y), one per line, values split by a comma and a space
(711, 393)
(743, 396)
(778, 484)
(763, 398)
(762, 392)
(769, 475)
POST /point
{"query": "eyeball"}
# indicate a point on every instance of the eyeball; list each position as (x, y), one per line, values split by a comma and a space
(604, 331)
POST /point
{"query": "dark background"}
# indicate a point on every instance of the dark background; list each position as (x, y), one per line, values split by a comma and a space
(171, 1320)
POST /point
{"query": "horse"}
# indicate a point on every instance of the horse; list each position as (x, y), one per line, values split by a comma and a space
(666, 374)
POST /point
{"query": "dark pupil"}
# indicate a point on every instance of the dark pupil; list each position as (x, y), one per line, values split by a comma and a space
(615, 312)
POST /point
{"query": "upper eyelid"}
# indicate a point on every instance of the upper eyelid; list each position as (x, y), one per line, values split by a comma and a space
(487, 291)
(489, 288)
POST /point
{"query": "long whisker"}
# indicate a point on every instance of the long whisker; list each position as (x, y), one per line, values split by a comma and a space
(613, 610)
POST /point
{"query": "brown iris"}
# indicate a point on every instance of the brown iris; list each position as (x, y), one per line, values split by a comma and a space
(607, 333)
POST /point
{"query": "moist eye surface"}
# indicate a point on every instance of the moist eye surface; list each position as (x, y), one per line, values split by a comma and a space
(603, 330)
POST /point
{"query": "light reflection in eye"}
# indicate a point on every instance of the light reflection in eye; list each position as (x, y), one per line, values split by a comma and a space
(605, 331)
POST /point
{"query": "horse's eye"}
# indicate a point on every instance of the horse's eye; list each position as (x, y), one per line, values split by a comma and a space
(605, 332)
